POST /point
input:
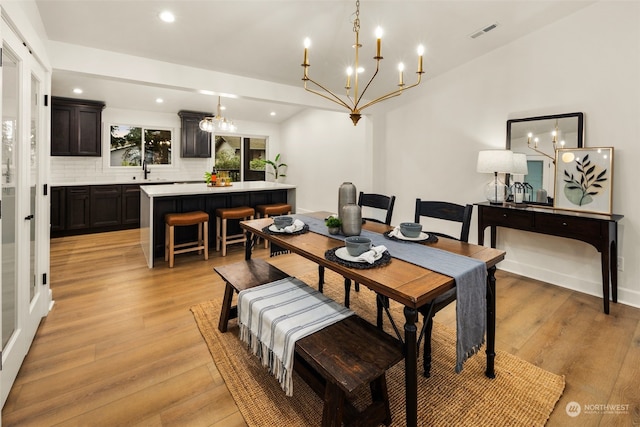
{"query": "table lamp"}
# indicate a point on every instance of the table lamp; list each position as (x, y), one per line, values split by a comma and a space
(495, 162)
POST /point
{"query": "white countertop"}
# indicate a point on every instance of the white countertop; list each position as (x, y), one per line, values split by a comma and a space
(160, 190)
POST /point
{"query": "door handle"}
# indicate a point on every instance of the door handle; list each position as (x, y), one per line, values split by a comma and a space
(28, 218)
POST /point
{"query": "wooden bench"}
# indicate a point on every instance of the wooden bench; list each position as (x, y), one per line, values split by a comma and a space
(342, 357)
(240, 276)
(335, 361)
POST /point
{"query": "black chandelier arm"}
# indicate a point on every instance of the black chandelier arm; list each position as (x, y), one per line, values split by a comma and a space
(336, 99)
(392, 94)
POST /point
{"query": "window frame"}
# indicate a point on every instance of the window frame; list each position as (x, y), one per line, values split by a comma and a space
(143, 129)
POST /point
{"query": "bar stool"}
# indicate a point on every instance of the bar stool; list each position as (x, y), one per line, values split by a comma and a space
(263, 211)
(222, 215)
(172, 220)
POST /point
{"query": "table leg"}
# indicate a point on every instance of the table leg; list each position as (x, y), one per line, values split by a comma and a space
(605, 259)
(251, 240)
(614, 271)
(491, 322)
(411, 366)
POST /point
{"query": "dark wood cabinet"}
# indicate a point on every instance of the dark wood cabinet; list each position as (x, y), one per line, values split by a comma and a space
(131, 204)
(106, 205)
(94, 208)
(57, 208)
(76, 127)
(77, 214)
(194, 142)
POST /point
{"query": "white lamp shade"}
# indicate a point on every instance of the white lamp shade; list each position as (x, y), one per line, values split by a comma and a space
(491, 161)
(520, 164)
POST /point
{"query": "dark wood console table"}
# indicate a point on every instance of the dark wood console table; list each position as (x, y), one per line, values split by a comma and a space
(599, 230)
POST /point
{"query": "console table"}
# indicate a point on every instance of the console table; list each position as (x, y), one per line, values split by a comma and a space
(599, 230)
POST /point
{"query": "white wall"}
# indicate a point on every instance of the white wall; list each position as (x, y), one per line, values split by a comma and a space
(323, 149)
(588, 62)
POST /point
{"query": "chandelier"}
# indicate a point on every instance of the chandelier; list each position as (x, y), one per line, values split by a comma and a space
(353, 103)
(554, 143)
(217, 122)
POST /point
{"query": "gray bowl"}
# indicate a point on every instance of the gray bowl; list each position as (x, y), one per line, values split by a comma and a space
(410, 229)
(357, 245)
(282, 221)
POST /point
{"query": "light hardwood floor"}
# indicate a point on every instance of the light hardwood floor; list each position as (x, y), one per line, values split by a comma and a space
(121, 348)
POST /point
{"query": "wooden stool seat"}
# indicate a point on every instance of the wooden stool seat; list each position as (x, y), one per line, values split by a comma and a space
(224, 214)
(264, 211)
(172, 220)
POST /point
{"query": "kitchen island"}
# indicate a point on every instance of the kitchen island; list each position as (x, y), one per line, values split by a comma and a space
(158, 200)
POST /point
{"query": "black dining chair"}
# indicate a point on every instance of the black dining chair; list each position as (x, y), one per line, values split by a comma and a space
(371, 200)
(442, 211)
(449, 212)
(377, 201)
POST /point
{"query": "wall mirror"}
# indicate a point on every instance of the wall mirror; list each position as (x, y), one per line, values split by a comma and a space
(539, 138)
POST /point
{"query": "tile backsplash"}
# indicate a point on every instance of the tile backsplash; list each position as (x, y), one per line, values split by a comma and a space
(92, 170)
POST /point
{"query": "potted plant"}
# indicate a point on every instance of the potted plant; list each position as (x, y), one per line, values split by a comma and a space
(276, 167)
(207, 179)
(333, 224)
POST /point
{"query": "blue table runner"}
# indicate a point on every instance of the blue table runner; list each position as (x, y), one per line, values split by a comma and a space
(469, 274)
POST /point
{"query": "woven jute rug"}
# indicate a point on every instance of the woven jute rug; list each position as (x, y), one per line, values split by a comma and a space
(520, 395)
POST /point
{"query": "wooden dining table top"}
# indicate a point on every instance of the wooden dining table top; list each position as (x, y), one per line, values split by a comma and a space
(404, 282)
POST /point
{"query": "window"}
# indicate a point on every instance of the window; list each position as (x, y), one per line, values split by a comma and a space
(241, 157)
(131, 144)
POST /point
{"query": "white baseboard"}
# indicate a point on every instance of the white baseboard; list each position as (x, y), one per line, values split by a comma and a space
(590, 287)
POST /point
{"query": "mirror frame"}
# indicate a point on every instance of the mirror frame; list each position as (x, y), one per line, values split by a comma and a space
(580, 134)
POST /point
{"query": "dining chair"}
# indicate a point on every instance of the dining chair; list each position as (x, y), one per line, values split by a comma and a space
(371, 200)
(377, 201)
(449, 212)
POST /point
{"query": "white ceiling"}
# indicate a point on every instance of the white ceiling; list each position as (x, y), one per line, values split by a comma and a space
(262, 39)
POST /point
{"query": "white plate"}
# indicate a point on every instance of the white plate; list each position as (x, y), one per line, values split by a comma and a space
(343, 254)
(421, 237)
(275, 229)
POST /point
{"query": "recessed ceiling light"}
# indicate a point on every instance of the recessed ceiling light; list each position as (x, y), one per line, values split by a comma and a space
(77, 90)
(167, 16)
(159, 100)
(273, 113)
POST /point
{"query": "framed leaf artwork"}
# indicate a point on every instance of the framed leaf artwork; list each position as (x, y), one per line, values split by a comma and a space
(584, 179)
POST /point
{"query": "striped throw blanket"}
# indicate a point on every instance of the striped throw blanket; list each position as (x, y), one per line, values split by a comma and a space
(273, 316)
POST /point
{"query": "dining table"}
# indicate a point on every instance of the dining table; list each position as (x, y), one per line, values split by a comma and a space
(409, 284)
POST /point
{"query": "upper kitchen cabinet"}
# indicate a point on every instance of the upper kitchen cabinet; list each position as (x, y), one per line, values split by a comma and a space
(194, 142)
(76, 127)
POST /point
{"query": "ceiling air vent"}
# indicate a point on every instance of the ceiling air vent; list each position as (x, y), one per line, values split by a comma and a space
(483, 30)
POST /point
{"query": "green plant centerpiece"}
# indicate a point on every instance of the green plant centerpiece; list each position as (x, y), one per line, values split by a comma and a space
(276, 166)
(207, 178)
(333, 224)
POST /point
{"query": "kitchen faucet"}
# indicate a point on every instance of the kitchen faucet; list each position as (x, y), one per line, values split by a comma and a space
(145, 169)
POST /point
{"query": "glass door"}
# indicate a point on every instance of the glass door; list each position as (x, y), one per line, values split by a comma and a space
(24, 215)
(10, 115)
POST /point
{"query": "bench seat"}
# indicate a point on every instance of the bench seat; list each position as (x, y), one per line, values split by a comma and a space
(335, 361)
(240, 276)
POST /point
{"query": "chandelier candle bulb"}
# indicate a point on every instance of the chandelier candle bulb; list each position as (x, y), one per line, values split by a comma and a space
(420, 53)
(349, 72)
(378, 41)
(400, 70)
(307, 43)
